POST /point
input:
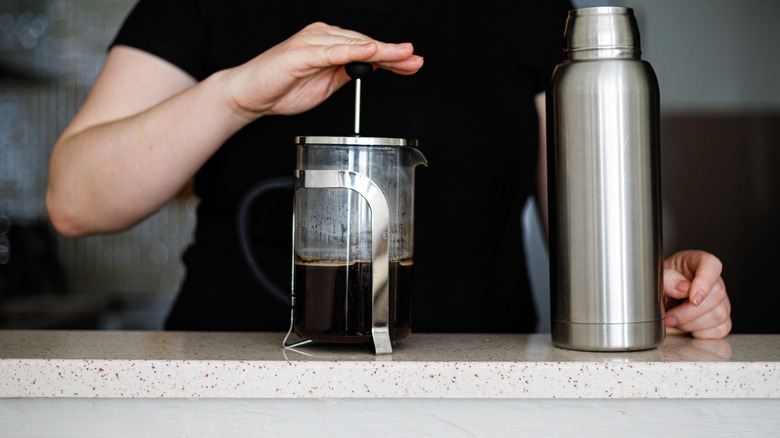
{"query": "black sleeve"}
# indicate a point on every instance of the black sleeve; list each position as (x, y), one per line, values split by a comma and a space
(174, 30)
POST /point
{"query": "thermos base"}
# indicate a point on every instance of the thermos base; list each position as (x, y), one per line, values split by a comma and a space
(608, 337)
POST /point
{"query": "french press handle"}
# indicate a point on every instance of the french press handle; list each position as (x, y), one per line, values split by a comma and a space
(267, 186)
(380, 228)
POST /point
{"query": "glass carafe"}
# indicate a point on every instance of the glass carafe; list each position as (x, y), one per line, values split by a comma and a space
(353, 234)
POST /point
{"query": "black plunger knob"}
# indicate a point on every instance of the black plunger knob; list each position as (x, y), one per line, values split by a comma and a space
(359, 70)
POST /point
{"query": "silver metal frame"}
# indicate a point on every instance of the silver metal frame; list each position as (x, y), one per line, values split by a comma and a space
(380, 221)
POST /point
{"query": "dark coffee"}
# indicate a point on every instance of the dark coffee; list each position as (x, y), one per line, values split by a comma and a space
(333, 301)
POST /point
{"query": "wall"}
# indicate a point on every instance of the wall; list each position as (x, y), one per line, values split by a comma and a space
(718, 67)
(713, 55)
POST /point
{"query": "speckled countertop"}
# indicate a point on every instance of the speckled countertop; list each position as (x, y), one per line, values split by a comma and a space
(108, 364)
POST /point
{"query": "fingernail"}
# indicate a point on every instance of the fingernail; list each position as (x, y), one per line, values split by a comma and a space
(683, 285)
(698, 298)
(670, 321)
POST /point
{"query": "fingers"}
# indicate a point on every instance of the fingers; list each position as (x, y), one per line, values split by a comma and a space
(329, 46)
(398, 58)
(407, 66)
(701, 268)
(675, 284)
(707, 273)
(304, 70)
(695, 295)
(717, 332)
(711, 319)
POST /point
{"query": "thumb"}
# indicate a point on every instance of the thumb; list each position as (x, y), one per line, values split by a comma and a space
(675, 284)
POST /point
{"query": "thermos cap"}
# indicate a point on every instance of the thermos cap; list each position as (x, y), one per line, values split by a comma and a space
(612, 29)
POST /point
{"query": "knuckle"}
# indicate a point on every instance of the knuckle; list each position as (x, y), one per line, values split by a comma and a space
(714, 261)
(724, 329)
(720, 314)
(717, 332)
(331, 53)
(313, 29)
(718, 292)
(316, 25)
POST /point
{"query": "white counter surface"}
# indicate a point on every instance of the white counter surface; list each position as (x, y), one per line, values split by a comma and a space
(107, 364)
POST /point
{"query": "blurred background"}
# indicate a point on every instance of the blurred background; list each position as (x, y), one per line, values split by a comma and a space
(718, 66)
(50, 53)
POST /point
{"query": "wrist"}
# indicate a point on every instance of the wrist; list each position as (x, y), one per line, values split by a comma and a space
(226, 85)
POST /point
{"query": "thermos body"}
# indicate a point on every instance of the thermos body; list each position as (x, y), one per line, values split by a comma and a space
(606, 256)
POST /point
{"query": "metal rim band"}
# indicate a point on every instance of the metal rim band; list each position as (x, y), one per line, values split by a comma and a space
(355, 141)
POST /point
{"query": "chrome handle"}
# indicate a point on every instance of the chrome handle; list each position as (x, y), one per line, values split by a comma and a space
(380, 221)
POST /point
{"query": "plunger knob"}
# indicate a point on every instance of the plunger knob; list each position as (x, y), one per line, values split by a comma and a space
(359, 70)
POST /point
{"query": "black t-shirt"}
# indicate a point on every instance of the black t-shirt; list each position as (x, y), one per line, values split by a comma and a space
(471, 107)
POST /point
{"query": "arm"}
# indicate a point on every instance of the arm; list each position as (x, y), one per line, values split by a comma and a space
(109, 169)
(147, 127)
(541, 169)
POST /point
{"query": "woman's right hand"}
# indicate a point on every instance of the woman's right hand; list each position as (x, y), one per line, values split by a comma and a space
(301, 72)
(147, 127)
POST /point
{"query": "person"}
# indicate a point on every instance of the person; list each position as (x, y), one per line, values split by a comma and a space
(217, 90)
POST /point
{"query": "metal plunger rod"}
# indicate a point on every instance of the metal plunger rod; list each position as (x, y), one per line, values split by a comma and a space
(357, 106)
(358, 71)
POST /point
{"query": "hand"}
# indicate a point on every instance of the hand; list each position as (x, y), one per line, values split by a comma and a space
(301, 72)
(695, 295)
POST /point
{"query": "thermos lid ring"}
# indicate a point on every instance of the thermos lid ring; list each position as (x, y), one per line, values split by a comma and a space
(355, 141)
(611, 29)
(602, 10)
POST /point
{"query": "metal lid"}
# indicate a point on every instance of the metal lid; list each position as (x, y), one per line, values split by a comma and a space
(355, 141)
(608, 29)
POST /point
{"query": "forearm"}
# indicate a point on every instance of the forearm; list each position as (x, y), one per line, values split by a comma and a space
(541, 167)
(110, 176)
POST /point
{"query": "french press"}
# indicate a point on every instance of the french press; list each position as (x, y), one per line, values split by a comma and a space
(353, 223)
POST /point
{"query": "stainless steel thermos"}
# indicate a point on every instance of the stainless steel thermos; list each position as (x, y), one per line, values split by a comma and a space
(606, 259)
